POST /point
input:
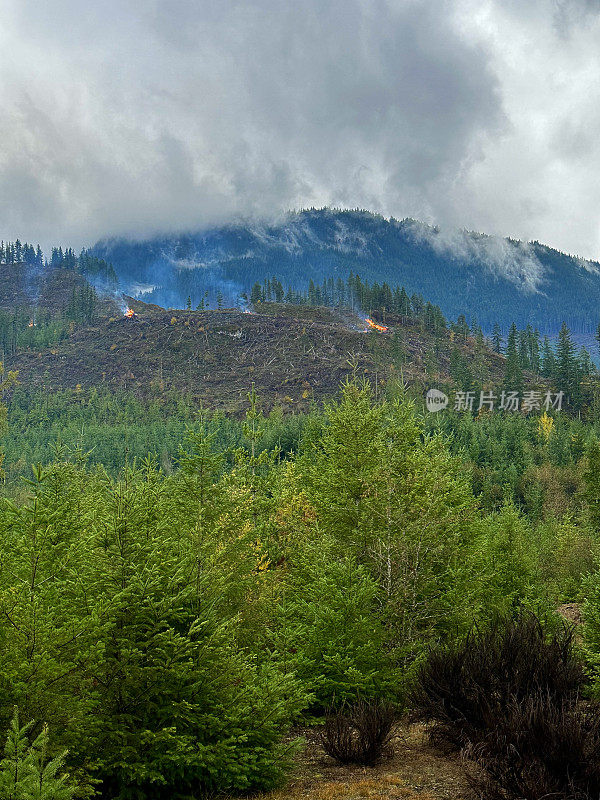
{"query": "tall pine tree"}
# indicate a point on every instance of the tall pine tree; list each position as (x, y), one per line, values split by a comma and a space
(513, 373)
(567, 367)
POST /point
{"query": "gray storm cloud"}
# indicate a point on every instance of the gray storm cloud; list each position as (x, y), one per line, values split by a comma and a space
(136, 118)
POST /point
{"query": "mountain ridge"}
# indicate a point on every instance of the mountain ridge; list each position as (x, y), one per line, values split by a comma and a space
(497, 279)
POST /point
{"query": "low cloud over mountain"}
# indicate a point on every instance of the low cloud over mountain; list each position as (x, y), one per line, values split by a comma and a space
(133, 119)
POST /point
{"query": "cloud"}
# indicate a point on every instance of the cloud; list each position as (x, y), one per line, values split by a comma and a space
(135, 118)
(128, 117)
(514, 261)
(538, 179)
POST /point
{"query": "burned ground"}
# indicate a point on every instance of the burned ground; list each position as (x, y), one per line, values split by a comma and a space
(294, 357)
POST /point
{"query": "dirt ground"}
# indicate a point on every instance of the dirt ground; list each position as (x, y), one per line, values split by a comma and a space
(417, 771)
(216, 356)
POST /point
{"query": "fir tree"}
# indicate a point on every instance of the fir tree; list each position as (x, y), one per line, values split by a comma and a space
(172, 675)
(567, 374)
(513, 373)
(497, 339)
(591, 479)
(256, 295)
(548, 365)
(28, 772)
(524, 350)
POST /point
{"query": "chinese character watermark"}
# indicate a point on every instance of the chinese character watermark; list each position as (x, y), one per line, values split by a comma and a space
(435, 400)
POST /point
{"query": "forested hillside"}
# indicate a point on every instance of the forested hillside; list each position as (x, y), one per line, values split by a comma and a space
(496, 280)
(299, 500)
(238, 553)
(171, 623)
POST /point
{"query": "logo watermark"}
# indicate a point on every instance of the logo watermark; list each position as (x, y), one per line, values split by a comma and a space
(435, 400)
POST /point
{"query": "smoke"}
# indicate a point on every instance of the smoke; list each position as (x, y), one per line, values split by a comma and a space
(507, 259)
(313, 244)
(177, 281)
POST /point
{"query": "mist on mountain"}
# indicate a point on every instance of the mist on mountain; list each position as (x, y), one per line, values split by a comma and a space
(495, 279)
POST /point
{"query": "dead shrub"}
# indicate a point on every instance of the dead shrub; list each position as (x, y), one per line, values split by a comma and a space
(463, 689)
(538, 749)
(360, 733)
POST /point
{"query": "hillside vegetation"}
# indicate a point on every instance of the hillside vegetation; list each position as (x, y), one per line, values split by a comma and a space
(238, 555)
(293, 357)
(495, 280)
(172, 628)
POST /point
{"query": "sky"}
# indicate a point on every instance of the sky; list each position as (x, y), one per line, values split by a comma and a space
(136, 117)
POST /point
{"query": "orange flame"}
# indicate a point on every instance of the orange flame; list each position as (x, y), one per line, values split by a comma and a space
(375, 326)
(31, 324)
(130, 313)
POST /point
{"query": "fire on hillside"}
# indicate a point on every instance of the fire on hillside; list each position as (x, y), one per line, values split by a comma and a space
(374, 326)
(129, 313)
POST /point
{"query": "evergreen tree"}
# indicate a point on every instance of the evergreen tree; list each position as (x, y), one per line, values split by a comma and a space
(567, 374)
(513, 373)
(533, 340)
(171, 675)
(591, 479)
(497, 339)
(460, 327)
(548, 366)
(27, 771)
(404, 308)
(5, 383)
(371, 480)
(329, 612)
(200, 465)
(524, 350)
(586, 365)
(460, 370)
(256, 295)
